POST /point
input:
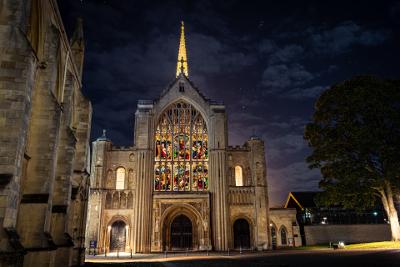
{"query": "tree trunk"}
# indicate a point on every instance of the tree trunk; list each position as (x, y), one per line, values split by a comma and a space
(391, 212)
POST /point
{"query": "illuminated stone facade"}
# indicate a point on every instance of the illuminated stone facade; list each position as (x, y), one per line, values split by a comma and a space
(183, 187)
(44, 137)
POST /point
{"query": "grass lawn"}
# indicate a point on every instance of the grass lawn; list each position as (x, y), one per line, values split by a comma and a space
(372, 245)
(384, 244)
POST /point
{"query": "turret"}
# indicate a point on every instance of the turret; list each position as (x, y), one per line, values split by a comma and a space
(100, 147)
(258, 160)
(259, 175)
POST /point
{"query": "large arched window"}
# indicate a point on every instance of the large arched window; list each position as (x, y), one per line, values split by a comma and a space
(120, 182)
(238, 176)
(181, 150)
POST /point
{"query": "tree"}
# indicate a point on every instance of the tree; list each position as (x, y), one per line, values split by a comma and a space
(355, 141)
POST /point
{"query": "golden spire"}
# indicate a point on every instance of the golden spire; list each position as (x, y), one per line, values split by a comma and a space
(182, 66)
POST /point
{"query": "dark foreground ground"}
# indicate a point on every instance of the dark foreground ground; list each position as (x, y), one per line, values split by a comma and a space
(364, 258)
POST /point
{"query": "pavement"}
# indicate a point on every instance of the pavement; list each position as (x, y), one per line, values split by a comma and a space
(280, 258)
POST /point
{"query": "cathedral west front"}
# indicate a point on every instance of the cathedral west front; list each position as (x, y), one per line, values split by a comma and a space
(180, 186)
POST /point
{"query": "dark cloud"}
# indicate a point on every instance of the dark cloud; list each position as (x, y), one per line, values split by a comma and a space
(286, 54)
(276, 77)
(310, 92)
(343, 37)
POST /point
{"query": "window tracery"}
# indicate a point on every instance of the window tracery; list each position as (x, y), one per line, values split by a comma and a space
(181, 150)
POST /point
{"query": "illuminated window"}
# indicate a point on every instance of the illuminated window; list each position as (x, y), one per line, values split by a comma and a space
(120, 183)
(181, 150)
(238, 176)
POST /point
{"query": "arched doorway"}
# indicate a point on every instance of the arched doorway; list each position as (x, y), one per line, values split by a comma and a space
(118, 236)
(241, 233)
(181, 233)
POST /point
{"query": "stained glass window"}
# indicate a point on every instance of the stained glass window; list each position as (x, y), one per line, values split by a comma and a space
(181, 150)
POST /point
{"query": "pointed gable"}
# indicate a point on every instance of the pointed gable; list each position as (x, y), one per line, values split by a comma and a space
(301, 200)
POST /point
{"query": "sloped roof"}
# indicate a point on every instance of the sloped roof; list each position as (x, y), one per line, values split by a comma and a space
(305, 199)
(165, 91)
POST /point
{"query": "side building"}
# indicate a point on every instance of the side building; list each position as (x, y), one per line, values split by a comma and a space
(330, 224)
(45, 125)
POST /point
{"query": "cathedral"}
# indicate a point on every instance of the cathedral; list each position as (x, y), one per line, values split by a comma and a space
(180, 186)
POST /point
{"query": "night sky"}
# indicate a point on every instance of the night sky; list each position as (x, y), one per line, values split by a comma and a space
(267, 61)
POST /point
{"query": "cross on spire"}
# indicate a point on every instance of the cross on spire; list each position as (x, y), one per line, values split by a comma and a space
(182, 65)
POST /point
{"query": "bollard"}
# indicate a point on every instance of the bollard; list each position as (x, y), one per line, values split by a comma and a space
(117, 253)
(105, 253)
(240, 250)
(131, 253)
(208, 254)
(165, 254)
(228, 252)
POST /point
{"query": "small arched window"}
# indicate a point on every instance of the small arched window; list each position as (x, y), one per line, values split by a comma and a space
(283, 236)
(120, 183)
(238, 176)
(181, 87)
(273, 235)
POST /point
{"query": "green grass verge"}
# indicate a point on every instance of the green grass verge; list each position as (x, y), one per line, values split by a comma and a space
(384, 244)
(372, 245)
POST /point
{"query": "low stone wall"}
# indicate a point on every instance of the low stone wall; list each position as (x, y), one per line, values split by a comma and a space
(349, 233)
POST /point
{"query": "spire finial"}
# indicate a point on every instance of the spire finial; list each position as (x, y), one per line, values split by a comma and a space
(182, 65)
(103, 137)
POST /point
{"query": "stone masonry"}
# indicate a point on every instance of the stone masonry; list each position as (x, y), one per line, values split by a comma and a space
(44, 137)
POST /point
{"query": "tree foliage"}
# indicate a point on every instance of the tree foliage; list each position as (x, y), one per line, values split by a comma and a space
(355, 141)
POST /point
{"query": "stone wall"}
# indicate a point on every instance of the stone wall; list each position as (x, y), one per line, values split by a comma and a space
(45, 126)
(351, 233)
(285, 218)
(106, 203)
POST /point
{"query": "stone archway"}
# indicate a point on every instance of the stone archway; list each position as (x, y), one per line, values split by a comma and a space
(181, 233)
(241, 234)
(118, 236)
(181, 228)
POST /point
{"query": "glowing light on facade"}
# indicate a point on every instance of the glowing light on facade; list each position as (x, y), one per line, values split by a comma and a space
(182, 65)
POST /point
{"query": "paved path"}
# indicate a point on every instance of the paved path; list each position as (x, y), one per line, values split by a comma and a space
(325, 258)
